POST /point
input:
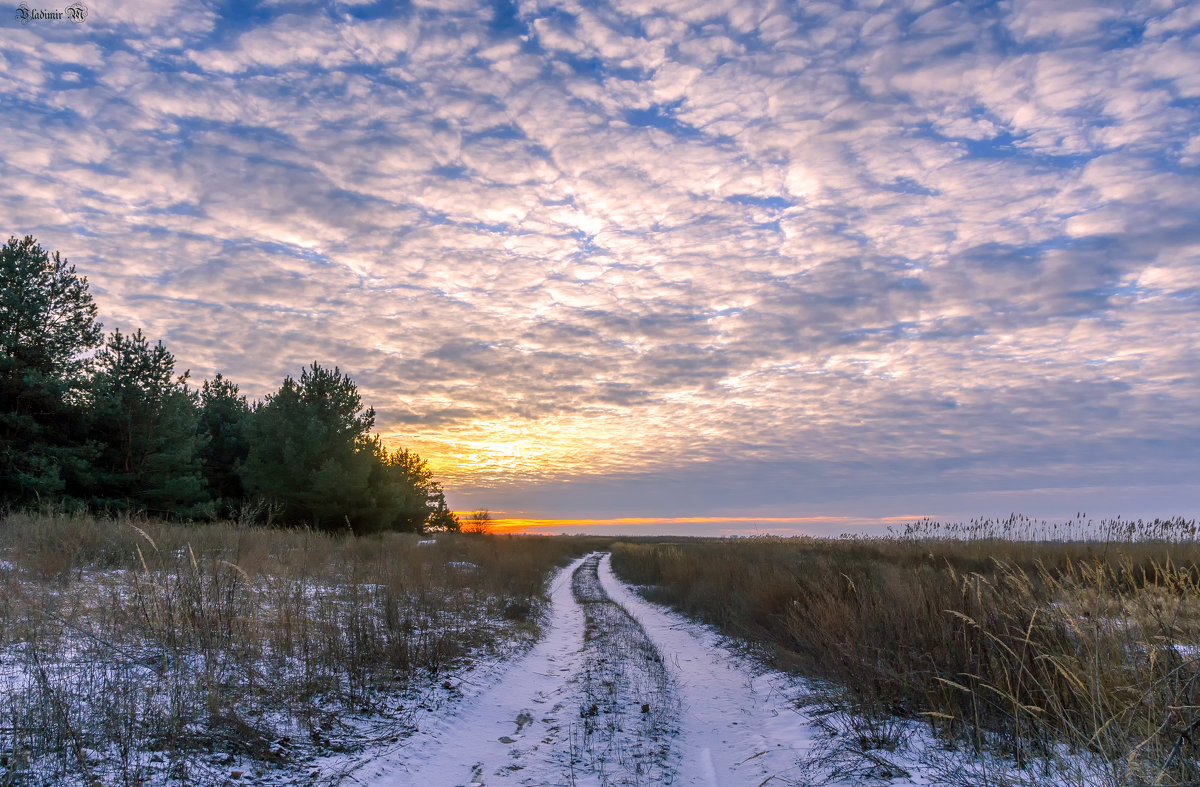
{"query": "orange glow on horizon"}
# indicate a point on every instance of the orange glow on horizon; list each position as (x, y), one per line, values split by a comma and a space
(502, 524)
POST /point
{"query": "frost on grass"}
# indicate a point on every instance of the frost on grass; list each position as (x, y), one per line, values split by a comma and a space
(276, 656)
(627, 708)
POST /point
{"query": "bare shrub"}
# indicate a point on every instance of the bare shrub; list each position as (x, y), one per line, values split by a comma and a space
(477, 523)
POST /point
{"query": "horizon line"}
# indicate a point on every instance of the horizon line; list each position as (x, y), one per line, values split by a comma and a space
(517, 523)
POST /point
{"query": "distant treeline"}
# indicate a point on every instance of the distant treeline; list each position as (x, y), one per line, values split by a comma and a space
(107, 424)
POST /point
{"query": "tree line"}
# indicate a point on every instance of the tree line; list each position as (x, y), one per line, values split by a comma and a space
(106, 423)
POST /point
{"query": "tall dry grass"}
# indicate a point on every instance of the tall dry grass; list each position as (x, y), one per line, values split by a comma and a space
(134, 649)
(1080, 655)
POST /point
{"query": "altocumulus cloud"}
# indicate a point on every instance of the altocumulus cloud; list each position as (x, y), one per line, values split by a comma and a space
(751, 255)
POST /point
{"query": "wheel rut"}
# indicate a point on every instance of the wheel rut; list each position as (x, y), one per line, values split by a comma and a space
(628, 711)
(592, 704)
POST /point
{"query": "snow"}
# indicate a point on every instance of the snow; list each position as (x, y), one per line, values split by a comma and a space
(508, 720)
(736, 727)
(617, 691)
(740, 722)
(1187, 652)
(729, 723)
(137, 676)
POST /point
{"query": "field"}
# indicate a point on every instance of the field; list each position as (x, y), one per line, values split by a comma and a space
(138, 652)
(1076, 661)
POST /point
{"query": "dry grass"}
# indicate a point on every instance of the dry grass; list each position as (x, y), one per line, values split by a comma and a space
(135, 650)
(1058, 656)
(627, 710)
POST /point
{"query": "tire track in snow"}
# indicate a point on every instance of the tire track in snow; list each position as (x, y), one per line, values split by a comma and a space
(590, 704)
(619, 691)
(628, 713)
(515, 730)
(735, 727)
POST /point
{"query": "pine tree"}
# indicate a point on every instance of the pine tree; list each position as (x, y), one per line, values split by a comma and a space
(145, 420)
(47, 324)
(224, 416)
(413, 498)
(310, 450)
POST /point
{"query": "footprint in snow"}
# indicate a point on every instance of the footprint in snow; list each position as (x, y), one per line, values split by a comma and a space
(523, 721)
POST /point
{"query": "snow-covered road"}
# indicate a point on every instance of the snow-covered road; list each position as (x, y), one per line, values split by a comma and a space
(591, 704)
(513, 730)
(736, 727)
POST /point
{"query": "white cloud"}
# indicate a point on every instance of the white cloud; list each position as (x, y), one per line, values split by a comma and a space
(648, 234)
(1081, 20)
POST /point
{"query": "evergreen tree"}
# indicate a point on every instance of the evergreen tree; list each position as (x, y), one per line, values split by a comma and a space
(145, 420)
(224, 415)
(310, 450)
(134, 436)
(47, 324)
(405, 495)
(441, 518)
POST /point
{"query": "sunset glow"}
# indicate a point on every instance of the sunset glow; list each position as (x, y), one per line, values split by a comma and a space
(698, 525)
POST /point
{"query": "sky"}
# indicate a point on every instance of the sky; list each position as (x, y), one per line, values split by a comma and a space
(710, 266)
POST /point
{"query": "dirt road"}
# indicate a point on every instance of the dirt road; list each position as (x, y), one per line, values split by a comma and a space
(617, 692)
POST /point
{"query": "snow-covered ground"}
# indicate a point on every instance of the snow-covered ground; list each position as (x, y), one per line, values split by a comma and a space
(617, 691)
(507, 714)
(710, 718)
(736, 727)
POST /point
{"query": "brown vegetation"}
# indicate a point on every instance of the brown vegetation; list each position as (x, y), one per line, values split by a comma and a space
(1036, 649)
(130, 648)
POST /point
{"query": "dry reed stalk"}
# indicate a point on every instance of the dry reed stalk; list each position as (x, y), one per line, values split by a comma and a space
(1027, 648)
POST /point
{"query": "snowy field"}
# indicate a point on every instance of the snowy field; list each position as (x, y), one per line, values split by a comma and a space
(615, 691)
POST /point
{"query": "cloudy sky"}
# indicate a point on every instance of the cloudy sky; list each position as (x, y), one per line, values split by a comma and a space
(747, 260)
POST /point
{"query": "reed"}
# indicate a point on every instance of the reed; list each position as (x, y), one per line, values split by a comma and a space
(1052, 654)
